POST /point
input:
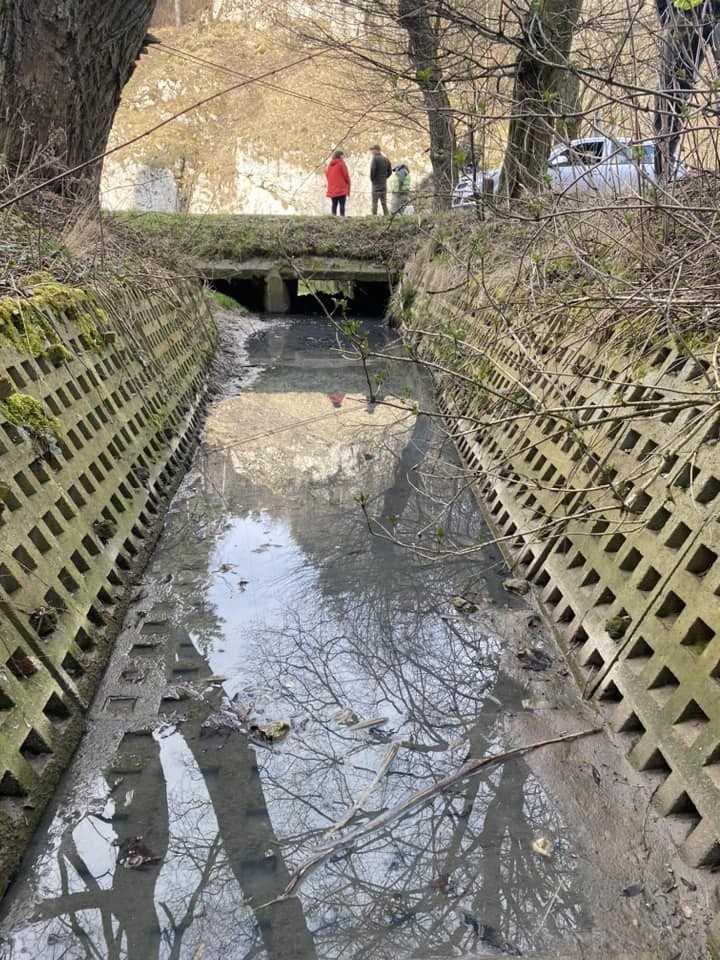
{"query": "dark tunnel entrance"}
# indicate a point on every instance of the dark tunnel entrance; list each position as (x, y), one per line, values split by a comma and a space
(364, 298)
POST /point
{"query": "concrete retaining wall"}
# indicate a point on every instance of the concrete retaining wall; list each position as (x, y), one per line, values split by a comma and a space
(614, 521)
(117, 375)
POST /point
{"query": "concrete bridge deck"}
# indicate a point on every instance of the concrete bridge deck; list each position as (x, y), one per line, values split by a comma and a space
(261, 259)
(303, 268)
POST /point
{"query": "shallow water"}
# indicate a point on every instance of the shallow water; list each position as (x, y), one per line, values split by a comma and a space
(271, 602)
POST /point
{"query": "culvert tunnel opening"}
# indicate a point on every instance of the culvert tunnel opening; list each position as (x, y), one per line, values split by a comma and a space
(364, 298)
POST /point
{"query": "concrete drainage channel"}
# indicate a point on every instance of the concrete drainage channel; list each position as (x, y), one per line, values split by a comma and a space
(633, 597)
(94, 435)
(190, 606)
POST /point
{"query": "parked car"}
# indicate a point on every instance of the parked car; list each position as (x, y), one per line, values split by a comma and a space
(598, 165)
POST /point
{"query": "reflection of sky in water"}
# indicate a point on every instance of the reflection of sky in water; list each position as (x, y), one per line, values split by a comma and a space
(259, 550)
(309, 621)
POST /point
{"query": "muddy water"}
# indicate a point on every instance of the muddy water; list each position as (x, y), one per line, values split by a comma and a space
(267, 602)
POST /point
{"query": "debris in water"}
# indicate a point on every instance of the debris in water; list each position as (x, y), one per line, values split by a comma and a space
(366, 724)
(336, 399)
(517, 585)
(542, 846)
(381, 736)
(464, 605)
(444, 884)
(345, 716)
(270, 732)
(134, 854)
(633, 890)
(534, 658)
(230, 716)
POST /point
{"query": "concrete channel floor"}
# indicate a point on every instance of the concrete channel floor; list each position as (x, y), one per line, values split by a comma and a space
(557, 854)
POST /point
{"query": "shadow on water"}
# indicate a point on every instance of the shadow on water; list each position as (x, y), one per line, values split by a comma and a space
(264, 605)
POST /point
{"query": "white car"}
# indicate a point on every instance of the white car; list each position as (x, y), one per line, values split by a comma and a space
(598, 165)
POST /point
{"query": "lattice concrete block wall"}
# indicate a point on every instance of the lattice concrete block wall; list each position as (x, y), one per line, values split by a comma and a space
(629, 575)
(76, 518)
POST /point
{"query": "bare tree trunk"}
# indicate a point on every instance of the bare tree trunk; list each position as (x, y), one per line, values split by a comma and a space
(415, 18)
(540, 86)
(178, 13)
(63, 65)
(569, 106)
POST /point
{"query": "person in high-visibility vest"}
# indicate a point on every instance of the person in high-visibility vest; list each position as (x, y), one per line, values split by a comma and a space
(690, 27)
(399, 184)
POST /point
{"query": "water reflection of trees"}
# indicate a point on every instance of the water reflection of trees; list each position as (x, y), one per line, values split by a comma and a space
(193, 793)
(466, 854)
(215, 839)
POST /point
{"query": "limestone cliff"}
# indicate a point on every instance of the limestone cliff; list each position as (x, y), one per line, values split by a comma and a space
(261, 147)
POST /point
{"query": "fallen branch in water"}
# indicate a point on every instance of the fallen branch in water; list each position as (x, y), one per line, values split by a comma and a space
(347, 817)
(468, 769)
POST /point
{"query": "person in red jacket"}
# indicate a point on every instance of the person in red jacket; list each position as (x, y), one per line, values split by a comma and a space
(338, 182)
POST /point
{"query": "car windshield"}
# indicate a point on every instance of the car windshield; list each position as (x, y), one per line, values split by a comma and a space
(579, 153)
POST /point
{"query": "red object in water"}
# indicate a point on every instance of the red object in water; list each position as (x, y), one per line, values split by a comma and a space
(336, 399)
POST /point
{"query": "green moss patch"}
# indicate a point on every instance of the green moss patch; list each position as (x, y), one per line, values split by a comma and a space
(26, 321)
(27, 412)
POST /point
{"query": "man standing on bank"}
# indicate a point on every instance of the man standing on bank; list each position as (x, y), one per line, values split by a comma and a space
(380, 170)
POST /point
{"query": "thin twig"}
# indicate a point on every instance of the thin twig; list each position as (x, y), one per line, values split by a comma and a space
(347, 817)
(549, 907)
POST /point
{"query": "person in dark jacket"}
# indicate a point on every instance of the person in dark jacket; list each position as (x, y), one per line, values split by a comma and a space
(338, 182)
(380, 170)
(691, 27)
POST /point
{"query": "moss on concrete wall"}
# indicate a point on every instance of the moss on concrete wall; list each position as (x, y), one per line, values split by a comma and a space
(98, 403)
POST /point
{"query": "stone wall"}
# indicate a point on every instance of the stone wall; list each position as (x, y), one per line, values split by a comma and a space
(99, 396)
(599, 467)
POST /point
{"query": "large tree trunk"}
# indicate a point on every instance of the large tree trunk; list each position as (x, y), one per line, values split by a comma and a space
(415, 18)
(540, 87)
(63, 65)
